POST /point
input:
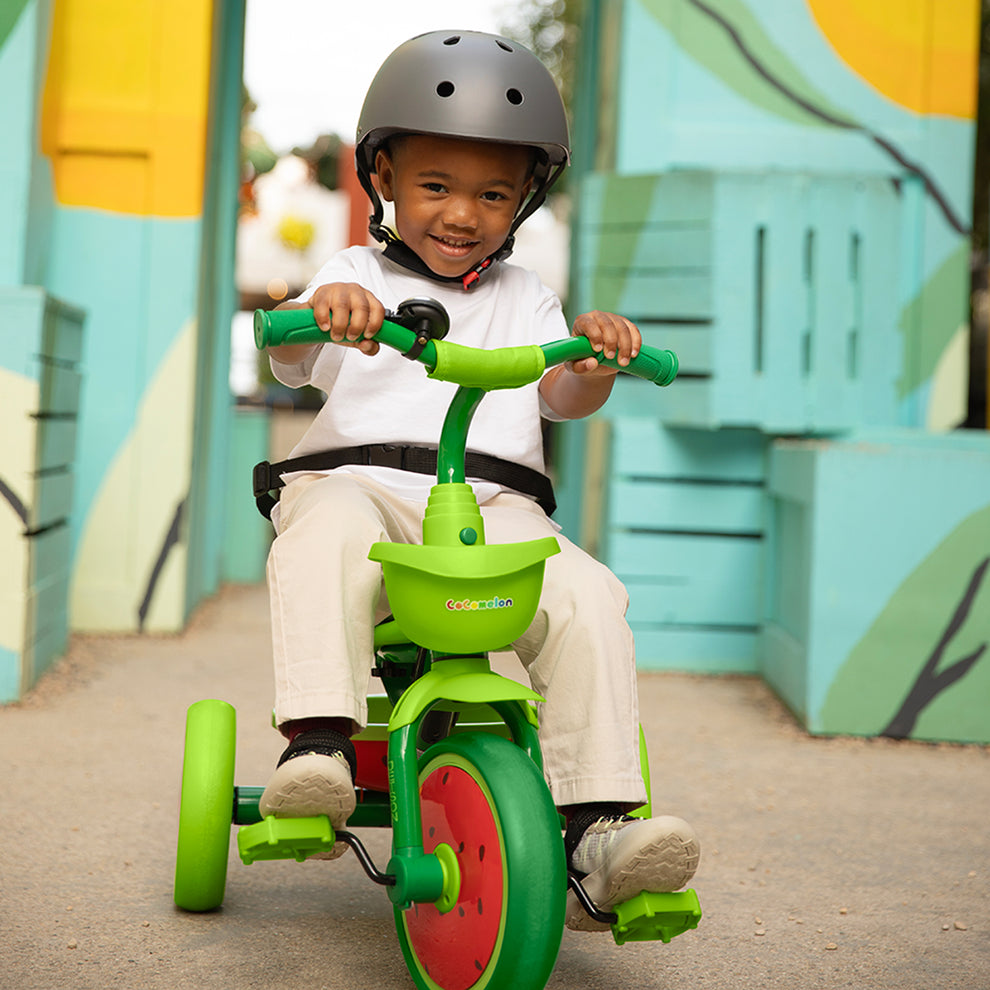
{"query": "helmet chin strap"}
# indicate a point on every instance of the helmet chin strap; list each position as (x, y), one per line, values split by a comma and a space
(398, 251)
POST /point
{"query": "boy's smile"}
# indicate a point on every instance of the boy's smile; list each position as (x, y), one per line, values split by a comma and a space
(455, 200)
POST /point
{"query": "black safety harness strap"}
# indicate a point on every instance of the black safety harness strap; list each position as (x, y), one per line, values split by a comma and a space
(421, 460)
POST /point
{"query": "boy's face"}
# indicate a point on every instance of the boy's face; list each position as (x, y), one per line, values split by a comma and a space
(454, 200)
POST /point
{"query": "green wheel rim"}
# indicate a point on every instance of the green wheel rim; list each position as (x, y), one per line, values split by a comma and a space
(510, 803)
(206, 806)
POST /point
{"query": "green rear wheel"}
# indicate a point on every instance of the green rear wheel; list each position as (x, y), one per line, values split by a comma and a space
(207, 806)
(483, 796)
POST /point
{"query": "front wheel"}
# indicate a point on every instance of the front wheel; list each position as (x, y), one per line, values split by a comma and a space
(206, 807)
(485, 798)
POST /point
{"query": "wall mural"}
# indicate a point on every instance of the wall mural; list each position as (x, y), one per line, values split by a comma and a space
(921, 669)
(117, 178)
(861, 86)
(790, 99)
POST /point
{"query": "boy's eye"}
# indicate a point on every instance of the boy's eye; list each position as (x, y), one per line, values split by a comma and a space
(434, 187)
(493, 197)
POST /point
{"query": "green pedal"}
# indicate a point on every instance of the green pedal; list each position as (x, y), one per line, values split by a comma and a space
(649, 917)
(285, 838)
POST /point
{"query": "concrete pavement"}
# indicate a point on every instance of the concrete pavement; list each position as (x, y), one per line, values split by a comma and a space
(825, 863)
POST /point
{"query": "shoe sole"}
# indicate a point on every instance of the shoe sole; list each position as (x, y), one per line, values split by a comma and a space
(661, 862)
(307, 785)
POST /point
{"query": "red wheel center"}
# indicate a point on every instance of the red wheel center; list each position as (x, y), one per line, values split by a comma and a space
(455, 948)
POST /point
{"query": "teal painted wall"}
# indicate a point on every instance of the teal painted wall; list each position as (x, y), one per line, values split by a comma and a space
(105, 211)
(781, 191)
(758, 86)
(880, 545)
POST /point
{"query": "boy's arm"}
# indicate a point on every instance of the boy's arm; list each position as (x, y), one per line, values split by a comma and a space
(346, 311)
(579, 388)
(292, 353)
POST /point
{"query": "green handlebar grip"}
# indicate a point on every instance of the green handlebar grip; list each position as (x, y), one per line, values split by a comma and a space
(286, 326)
(652, 363)
(297, 326)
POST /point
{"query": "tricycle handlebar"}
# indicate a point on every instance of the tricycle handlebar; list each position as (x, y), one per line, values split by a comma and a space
(474, 367)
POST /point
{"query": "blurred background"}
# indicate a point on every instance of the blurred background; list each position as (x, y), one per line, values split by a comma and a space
(791, 194)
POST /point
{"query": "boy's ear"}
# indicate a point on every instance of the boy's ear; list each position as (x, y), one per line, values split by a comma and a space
(386, 175)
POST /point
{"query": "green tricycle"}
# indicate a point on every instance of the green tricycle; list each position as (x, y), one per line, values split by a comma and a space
(450, 759)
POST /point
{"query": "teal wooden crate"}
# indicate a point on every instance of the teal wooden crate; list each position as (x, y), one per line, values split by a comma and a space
(42, 378)
(878, 607)
(55, 442)
(689, 579)
(774, 289)
(52, 499)
(50, 550)
(683, 529)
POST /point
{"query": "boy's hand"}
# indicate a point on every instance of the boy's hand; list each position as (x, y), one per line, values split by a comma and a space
(611, 335)
(349, 313)
(580, 387)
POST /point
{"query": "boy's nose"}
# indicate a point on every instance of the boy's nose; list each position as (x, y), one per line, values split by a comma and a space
(460, 213)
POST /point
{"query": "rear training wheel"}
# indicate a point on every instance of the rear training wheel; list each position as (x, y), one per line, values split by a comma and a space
(207, 806)
(485, 798)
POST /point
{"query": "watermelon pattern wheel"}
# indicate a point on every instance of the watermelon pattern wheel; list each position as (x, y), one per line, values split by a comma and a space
(485, 798)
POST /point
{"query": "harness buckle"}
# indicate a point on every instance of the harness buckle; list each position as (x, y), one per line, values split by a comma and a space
(388, 455)
(262, 479)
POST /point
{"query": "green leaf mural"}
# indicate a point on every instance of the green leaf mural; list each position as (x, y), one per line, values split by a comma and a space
(929, 321)
(624, 200)
(10, 14)
(923, 667)
(730, 42)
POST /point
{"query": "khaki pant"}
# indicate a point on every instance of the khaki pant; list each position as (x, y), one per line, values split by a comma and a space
(326, 597)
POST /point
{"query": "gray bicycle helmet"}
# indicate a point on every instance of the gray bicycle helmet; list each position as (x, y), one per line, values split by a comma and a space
(463, 84)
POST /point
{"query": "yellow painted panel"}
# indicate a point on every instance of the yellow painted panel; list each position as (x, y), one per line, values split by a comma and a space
(921, 54)
(102, 53)
(129, 80)
(183, 47)
(101, 131)
(123, 178)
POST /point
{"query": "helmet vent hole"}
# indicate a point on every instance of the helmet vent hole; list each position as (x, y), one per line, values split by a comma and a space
(452, 40)
(503, 46)
(445, 89)
(514, 96)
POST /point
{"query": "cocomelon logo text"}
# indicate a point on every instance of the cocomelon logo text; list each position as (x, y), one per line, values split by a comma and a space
(471, 606)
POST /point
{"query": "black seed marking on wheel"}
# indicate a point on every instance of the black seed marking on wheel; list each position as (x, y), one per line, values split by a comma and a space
(432, 831)
(460, 848)
(445, 776)
(461, 911)
(481, 854)
(478, 966)
(480, 909)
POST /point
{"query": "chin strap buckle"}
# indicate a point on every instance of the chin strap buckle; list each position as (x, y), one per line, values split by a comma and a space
(472, 278)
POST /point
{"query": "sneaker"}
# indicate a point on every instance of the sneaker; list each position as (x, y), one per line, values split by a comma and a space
(315, 776)
(621, 856)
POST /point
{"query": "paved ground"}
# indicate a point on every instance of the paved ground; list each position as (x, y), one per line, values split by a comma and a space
(825, 864)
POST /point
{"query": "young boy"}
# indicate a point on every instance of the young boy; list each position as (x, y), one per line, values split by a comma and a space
(465, 132)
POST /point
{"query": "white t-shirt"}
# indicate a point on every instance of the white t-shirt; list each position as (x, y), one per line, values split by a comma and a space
(389, 399)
